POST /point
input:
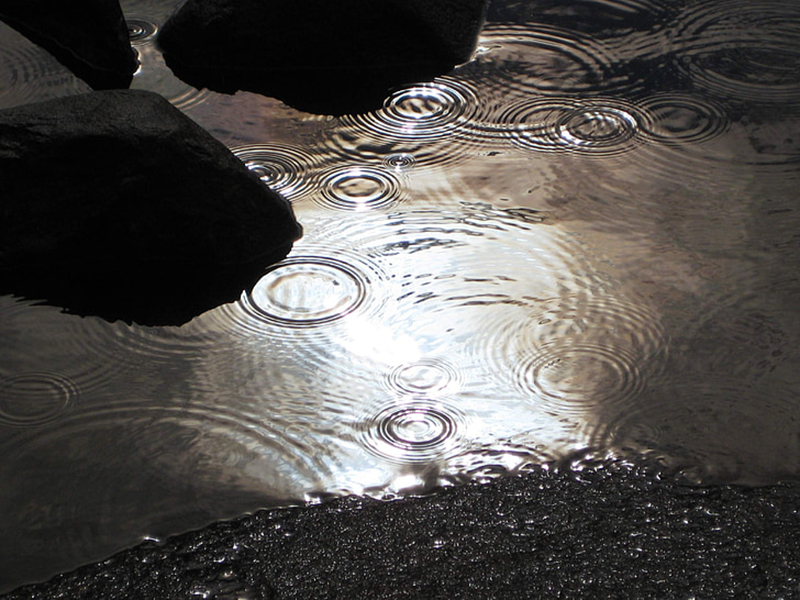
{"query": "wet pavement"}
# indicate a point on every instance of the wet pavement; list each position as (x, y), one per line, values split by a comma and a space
(583, 242)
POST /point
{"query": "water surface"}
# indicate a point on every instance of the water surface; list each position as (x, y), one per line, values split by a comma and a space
(581, 243)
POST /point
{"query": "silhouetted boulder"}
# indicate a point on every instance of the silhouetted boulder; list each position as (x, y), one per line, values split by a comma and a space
(89, 37)
(323, 56)
(116, 204)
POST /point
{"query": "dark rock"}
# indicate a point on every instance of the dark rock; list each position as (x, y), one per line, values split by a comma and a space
(89, 37)
(317, 55)
(116, 204)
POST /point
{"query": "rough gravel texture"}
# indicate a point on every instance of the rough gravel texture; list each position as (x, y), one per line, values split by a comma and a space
(614, 532)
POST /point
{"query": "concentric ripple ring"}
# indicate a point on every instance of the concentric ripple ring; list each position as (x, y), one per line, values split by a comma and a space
(360, 189)
(286, 169)
(428, 377)
(34, 398)
(413, 431)
(304, 292)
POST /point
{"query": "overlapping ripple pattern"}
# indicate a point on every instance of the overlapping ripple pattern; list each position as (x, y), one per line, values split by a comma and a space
(583, 242)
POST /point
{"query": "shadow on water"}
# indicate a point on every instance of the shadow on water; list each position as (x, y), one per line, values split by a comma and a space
(582, 243)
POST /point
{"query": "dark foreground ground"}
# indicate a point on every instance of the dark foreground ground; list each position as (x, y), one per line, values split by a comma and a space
(615, 532)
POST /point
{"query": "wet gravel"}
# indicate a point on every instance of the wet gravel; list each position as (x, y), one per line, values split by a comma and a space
(610, 532)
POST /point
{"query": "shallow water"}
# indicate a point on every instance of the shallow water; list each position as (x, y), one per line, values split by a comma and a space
(583, 243)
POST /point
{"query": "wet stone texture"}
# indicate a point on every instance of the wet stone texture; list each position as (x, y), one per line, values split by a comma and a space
(610, 532)
(319, 56)
(140, 215)
(89, 37)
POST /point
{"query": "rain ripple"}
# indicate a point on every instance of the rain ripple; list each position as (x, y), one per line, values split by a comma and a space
(576, 356)
(308, 290)
(594, 127)
(400, 162)
(678, 118)
(289, 170)
(413, 430)
(29, 73)
(360, 188)
(422, 124)
(430, 111)
(565, 376)
(34, 398)
(430, 377)
(736, 49)
(153, 73)
(80, 354)
(141, 30)
(519, 60)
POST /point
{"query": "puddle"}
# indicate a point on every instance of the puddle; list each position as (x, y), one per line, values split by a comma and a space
(581, 243)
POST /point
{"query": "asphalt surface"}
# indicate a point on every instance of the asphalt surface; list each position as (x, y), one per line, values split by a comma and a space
(606, 532)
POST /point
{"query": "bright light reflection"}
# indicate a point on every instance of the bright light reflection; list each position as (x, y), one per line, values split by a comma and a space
(379, 342)
(406, 482)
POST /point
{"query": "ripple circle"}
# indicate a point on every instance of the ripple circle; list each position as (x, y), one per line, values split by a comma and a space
(739, 50)
(427, 111)
(580, 378)
(360, 189)
(542, 59)
(598, 129)
(569, 125)
(400, 162)
(29, 73)
(678, 118)
(34, 398)
(307, 293)
(286, 169)
(141, 31)
(428, 377)
(412, 432)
